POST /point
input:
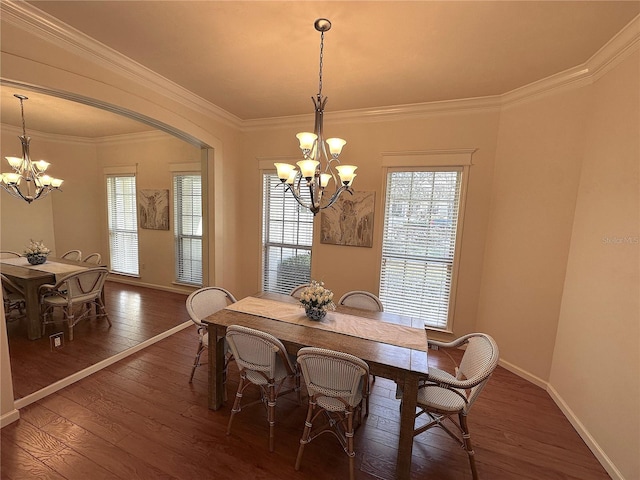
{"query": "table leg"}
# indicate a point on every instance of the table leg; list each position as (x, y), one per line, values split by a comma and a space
(407, 420)
(34, 327)
(216, 369)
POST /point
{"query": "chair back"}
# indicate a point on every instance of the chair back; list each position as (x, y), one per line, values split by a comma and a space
(257, 352)
(9, 287)
(297, 291)
(361, 299)
(83, 286)
(72, 255)
(94, 259)
(9, 254)
(207, 301)
(334, 375)
(478, 363)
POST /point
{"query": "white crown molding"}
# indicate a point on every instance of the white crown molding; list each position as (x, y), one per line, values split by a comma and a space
(396, 112)
(613, 52)
(52, 137)
(29, 18)
(623, 44)
(108, 140)
(52, 30)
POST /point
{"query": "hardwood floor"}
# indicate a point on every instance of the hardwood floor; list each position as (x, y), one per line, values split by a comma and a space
(140, 419)
(137, 314)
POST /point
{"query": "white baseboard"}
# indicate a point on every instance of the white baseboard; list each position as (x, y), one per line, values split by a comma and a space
(9, 417)
(127, 280)
(602, 457)
(54, 387)
(523, 374)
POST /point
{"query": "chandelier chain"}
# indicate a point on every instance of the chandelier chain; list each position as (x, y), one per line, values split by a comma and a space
(321, 58)
(24, 128)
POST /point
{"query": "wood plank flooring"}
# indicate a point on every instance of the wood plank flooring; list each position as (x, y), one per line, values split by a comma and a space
(136, 314)
(141, 419)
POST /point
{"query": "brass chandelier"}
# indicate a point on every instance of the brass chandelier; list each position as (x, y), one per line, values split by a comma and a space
(28, 180)
(316, 168)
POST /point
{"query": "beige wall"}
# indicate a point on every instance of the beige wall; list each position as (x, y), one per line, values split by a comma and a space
(62, 220)
(540, 147)
(596, 359)
(344, 268)
(152, 158)
(520, 238)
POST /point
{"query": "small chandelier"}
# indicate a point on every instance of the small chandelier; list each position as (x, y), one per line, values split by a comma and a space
(27, 181)
(316, 168)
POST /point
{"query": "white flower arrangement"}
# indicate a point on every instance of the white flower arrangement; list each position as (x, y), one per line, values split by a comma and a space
(316, 296)
(36, 248)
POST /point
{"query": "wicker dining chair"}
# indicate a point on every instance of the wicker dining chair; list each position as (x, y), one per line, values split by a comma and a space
(337, 383)
(94, 259)
(13, 299)
(297, 291)
(363, 300)
(263, 361)
(200, 304)
(72, 255)
(445, 395)
(76, 295)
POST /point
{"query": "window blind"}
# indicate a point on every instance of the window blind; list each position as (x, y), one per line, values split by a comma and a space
(419, 240)
(123, 224)
(287, 236)
(187, 204)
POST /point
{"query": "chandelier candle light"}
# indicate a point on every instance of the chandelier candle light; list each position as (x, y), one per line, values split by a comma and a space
(28, 180)
(316, 168)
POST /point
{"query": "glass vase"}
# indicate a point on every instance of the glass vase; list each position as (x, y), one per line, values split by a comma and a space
(315, 313)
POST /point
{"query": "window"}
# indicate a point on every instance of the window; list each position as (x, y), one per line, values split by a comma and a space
(187, 208)
(287, 235)
(123, 224)
(419, 243)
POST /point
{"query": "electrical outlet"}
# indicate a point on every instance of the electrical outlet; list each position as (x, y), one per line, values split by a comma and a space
(57, 340)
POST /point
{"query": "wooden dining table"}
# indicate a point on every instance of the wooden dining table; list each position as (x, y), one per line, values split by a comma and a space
(395, 347)
(31, 277)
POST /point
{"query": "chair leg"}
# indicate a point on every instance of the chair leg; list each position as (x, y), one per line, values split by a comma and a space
(196, 361)
(70, 323)
(350, 450)
(236, 403)
(467, 444)
(271, 414)
(306, 434)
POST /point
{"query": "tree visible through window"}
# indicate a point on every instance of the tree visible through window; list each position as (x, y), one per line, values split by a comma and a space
(123, 224)
(187, 202)
(287, 236)
(419, 244)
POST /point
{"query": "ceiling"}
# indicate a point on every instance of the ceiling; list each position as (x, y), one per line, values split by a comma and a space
(259, 59)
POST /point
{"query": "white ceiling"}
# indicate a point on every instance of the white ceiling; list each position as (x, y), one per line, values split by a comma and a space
(259, 59)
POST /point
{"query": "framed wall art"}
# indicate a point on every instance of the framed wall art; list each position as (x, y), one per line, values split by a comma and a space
(153, 209)
(349, 221)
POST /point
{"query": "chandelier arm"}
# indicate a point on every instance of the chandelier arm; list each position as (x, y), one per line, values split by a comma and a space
(317, 152)
(28, 181)
(296, 196)
(336, 194)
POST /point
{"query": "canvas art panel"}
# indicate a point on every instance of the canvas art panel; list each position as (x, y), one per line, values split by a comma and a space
(349, 221)
(153, 209)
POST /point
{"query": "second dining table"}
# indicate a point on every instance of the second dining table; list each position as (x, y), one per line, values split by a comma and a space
(31, 277)
(395, 347)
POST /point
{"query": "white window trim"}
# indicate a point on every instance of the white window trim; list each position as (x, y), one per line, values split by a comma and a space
(178, 170)
(430, 160)
(120, 171)
(266, 166)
